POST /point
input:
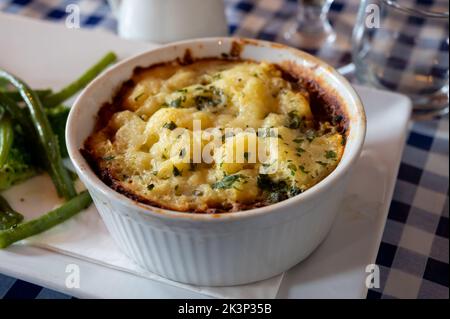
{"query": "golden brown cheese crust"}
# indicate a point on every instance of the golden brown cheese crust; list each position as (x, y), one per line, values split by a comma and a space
(143, 145)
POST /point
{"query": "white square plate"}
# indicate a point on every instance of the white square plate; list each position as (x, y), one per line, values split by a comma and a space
(47, 55)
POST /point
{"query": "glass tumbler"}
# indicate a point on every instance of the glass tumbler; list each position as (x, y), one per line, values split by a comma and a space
(312, 28)
(402, 46)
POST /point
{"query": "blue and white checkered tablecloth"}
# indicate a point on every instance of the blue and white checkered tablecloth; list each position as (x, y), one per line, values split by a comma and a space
(414, 253)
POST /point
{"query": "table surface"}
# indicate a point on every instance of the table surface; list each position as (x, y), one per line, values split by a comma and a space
(413, 255)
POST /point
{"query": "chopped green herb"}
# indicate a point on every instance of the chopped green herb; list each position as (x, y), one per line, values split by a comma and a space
(177, 102)
(310, 135)
(337, 119)
(265, 182)
(330, 155)
(303, 170)
(170, 126)
(298, 140)
(228, 181)
(182, 152)
(176, 171)
(210, 97)
(276, 191)
(292, 168)
(246, 155)
(109, 158)
(295, 121)
(300, 150)
(150, 187)
(293, 191)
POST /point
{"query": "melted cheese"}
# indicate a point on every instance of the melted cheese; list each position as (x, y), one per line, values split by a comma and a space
(148, 146)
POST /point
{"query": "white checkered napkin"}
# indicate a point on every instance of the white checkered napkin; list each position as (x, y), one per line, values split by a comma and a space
(414, 252)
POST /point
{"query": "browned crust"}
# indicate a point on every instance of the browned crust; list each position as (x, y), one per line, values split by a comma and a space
(236, 50)
(326, 105)
(187, 58)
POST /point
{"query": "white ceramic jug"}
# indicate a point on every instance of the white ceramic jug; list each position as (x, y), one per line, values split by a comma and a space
(165, 21)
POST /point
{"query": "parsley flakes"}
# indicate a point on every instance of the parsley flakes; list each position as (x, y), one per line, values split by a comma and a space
(303, 170)
(330, 155)
(228, 181)
(295, 121)
(176, 171)
(170, 126)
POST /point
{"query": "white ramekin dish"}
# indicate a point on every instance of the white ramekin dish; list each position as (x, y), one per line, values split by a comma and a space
(224, 249)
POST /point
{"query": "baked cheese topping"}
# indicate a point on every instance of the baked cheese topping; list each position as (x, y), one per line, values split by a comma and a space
(148, 148)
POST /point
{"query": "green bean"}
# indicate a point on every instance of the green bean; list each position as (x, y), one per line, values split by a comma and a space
(6, 138)
(45, 222)
(3, 83)
(8, 216)
(16, 113)
(22, 118)
(16, 97)
(48, 141)
(70, 90)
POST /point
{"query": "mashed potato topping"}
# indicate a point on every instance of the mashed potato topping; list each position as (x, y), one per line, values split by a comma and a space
(147, 144)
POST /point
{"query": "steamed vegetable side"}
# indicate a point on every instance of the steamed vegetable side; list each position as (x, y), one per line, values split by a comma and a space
(45, 222)
(58, 98)
(8, 216)
(32, 140)
(45, 136)
(18, 164)
(57, 117)
(6, 137)
(15, 95)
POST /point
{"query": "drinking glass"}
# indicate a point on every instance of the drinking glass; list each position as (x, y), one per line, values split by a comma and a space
(312, 32)
(402, 46)
(312, 28)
